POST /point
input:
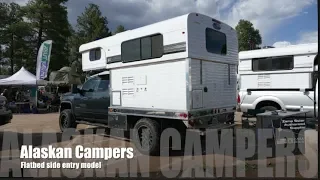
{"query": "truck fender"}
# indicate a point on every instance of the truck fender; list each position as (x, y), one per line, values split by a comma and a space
(66, 102)
(268, 98)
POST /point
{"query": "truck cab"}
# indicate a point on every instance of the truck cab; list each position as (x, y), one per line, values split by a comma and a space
(89, 103)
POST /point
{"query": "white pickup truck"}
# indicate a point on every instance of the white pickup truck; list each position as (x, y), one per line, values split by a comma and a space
(279, 78)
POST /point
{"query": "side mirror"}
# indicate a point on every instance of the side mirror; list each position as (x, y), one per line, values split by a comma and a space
(81, 92)
(75, 90)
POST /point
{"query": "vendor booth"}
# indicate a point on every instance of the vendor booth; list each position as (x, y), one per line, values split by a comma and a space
(20, 90)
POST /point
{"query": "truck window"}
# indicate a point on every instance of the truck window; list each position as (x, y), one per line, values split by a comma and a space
(142, 48)
(272, 63)
(103, 84)
(216, 42)
(90, 85)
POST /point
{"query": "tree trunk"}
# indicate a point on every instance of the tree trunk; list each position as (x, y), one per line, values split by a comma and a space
(39, 40)
(12, 52)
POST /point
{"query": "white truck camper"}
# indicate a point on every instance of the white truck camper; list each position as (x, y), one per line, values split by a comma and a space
(179, 73)
(279, 78)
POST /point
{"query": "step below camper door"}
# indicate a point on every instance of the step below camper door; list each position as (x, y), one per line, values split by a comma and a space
(213, 84)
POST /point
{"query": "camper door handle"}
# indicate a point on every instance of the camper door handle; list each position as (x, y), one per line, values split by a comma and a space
(205, 89)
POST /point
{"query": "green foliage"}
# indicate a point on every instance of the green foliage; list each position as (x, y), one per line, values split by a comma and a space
(248, 37)
(49, 21)
(14, 36)
(119, 29)
(91, 25)
(24, 28)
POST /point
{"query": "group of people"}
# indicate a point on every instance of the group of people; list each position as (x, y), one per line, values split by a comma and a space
(14, 95)
(20, 98)
(45, 101)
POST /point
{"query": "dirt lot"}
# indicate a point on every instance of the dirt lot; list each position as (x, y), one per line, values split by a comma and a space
(176, 165)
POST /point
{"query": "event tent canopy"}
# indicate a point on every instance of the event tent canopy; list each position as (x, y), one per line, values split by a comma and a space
(22, 77)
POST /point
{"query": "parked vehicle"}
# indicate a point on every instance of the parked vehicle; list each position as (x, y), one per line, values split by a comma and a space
(178, 73)
(5, 113)
(279, 78)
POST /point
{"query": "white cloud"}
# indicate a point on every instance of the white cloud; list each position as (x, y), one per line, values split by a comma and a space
(304, 38)
(308, 37)
(266, 15)
(281, 44)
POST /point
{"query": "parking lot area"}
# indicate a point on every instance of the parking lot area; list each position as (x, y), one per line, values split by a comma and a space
(40, 125)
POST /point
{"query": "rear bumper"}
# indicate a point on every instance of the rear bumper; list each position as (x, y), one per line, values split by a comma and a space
(203, 131)
(212, 121)
(5, 116)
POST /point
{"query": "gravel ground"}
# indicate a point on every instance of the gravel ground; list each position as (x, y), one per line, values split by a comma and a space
(36, 125)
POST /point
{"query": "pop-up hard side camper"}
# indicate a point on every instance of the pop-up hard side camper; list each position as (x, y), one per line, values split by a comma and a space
(178, 73)
(279, 78)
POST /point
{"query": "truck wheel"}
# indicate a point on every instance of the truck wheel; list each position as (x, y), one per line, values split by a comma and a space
(66, 120)
(146, 136)
(269, 108)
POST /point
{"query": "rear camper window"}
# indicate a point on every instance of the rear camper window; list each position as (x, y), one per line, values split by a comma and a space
(95, 54)
(142, 48)
(272, 63)
(216, 42)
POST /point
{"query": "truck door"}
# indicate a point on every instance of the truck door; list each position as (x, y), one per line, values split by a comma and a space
(83, 102)
(101, 99)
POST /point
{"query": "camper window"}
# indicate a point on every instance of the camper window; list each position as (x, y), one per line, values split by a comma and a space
(142, 48)
(130, 50)
(146, 48)
(216, 42)
(157, 46)
(272, 63)
(95, 54)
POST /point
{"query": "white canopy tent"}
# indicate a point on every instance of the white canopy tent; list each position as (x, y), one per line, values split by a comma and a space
(22, 77)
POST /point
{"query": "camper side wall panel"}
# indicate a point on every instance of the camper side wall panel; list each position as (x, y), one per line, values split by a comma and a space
(153, 86)
(299, 77)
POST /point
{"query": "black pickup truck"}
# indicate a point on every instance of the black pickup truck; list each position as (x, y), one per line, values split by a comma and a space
(88, 105)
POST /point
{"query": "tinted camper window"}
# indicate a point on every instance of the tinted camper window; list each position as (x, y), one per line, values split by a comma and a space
(272, 63)
(95, 54)
(130, 50)
(216, 42)
(142, 48)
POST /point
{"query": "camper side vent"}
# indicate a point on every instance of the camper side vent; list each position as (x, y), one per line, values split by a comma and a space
(128, 92)
(127, 80)
(264, 84)
(263, 76)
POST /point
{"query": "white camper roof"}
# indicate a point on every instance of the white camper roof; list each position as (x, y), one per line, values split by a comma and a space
(111, 46)
(165, 25)
(283, 51)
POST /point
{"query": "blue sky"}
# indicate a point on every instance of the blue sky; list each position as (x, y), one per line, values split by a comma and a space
(281, 22)
(297, 28)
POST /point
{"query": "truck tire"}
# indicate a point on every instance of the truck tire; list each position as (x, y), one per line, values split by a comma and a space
(269, 108)
(66, 120)
(146, 136)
